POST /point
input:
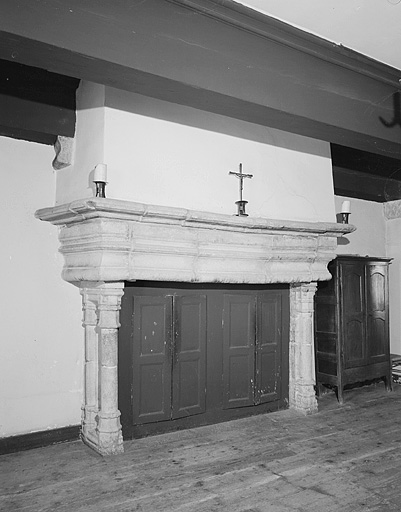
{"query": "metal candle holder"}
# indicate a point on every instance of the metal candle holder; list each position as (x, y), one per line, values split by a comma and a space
(100, 188)
(345, 217)
(100, 179)
(241, 208)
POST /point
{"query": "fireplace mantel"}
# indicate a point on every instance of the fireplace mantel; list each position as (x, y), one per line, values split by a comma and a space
(112, 240)
(106, 242)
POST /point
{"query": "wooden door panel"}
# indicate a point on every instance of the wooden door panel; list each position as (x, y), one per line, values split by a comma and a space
(151, 359)
(353, 289)
(189, 360)
(377, 321)
(353, 314)
(354, 334)
(268, 348)
(268, 381)
(238, 350)
(376, 338)
(376, 290)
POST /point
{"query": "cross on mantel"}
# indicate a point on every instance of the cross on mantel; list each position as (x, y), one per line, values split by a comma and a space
(241, 203)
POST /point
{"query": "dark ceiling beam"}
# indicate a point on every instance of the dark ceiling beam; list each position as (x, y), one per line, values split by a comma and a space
(29, 135)
(212, 55)
(368, 163)
(35, 104)
(366, 186)
(21, 118)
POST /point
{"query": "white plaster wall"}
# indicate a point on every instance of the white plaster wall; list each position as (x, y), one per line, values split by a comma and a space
(369, 239)
(377, 236)
(393, 235)
(171, 155)
(76, 181)
(167, 154)
(41, 350)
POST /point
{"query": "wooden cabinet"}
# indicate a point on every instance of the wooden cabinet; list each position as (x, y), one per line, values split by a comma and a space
(352, 324)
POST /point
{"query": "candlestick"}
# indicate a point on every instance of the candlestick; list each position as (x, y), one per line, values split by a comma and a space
(100, 179)
(345, 217)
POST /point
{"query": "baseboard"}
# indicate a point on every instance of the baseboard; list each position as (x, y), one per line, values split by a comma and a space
(39, 439)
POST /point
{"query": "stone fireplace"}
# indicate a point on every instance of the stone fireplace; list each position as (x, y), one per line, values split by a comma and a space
(106, 242)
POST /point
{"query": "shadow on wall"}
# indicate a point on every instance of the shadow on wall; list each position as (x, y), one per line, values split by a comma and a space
(341, 240)
(396, 121)
(172, 112)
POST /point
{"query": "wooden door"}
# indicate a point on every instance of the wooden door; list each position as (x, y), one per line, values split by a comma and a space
(152, 359)
(189, 356)
(169, 357)
(252, 369)
(353, 313)
(239, 329)
(269, 371)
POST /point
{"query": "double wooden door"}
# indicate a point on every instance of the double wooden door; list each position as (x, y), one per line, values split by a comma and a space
(169, 357)
(197, 354)
(252, 346)
(364, 312)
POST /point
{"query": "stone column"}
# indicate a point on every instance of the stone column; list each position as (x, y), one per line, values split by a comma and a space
(90, 407)
(302, 354)
(101, 428)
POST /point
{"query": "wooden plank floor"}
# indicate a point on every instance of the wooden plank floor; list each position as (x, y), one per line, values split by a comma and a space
(345, 458)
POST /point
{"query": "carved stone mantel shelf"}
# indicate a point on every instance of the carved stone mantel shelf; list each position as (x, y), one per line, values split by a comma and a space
(106, 242)
(113, 240)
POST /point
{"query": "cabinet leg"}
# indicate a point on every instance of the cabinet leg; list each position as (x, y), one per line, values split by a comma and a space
(339, 393)
(388, 381)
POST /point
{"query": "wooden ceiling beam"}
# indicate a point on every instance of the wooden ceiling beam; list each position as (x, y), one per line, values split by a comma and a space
(366, 186)
(35, 104)
(216, 56)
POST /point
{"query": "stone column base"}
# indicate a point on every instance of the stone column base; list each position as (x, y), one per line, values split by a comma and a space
(104, 443)
(304, 399)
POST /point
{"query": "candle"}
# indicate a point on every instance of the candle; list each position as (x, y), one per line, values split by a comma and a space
(100, 173)
(346, 207)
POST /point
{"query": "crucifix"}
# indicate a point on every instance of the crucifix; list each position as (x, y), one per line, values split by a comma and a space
(241, 203)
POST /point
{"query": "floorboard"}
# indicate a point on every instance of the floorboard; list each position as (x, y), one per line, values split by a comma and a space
(345, 458)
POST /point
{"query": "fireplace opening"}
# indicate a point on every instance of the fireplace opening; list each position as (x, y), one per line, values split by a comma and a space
(196, 354)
